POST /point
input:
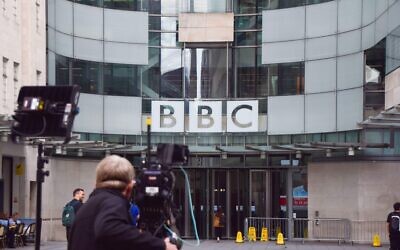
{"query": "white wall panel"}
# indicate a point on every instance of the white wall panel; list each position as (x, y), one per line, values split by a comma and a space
(283, 24)
(350, 71)
(88, 21)
(286, 114)
(90, 118)
(64, 44)
(323, 47)
(64, 16)
(292, 51)
(125, 53)
(381, 27)
(320, 76)
(349, 15)
(349, 108)
(380, 7)
(51, 15)
(349, 42)
(368, 12)
(321, 19)
(368, 36)
(126, 26)
(393, 16)
(320, 114)
(88, 49)
(122, 115)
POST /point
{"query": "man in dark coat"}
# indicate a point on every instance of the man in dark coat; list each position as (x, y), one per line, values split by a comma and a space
(104, 222)
(78, 195)
(393, 225)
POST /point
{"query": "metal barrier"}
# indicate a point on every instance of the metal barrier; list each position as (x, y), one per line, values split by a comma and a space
(364, 231)
(303, 229)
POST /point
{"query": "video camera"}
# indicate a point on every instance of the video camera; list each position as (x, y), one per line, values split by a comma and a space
(154, 190)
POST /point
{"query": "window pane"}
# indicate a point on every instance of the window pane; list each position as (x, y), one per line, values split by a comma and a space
(171, 73)
(245, 38)
(286, 79)
(87, 75)
(154, 23)
(151, 74)
(121, 79)
(123, 4)
(245, 22)
(251, 77)
(206, 72)
(62, 70)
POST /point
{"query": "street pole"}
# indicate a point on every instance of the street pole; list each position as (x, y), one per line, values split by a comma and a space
(40, 174)
(148, 123)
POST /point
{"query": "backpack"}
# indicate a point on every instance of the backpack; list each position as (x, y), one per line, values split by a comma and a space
(68, 215)
(395, 223)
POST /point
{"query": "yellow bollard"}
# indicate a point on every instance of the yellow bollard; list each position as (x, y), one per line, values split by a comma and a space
(280, 240)
(264, 234)
(376, 241)
(239, 237)
(252, 234)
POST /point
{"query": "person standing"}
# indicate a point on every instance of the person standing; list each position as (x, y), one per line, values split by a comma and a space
(71, 209)
(104, 221)
(393, 225)
(219, 223)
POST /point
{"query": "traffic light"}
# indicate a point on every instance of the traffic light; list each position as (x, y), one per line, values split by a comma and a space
(45, 111)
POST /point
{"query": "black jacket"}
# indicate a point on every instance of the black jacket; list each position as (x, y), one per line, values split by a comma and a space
(103, 223)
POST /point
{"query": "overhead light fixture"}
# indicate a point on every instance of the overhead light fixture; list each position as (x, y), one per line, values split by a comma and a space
(298, 154)
(263, 155)
(80, 152)
(351, 151)
(224, 155)
(329, 152)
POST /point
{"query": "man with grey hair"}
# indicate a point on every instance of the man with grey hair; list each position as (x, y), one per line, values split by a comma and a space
(103, 222)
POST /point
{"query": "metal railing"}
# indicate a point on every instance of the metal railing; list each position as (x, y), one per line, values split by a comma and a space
(321, 229)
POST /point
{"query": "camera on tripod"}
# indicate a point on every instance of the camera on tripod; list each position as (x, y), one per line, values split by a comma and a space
(154, 190)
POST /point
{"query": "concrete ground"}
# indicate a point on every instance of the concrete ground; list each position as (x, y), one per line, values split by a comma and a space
(230, 244)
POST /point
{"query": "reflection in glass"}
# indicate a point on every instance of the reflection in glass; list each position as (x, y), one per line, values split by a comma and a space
(123, 4)
(62, 70)
(206, 72)
(151, 74)
(121, 80)
(206, 6)
(252, 6)
(171, 73)
(245, 38)
(286, 79)
(246, 22)
(88, 75)
(251, 76)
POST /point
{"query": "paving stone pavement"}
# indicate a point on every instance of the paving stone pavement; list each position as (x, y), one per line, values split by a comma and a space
(230, 244)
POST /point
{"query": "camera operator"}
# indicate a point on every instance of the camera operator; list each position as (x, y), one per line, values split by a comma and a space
(103, 222)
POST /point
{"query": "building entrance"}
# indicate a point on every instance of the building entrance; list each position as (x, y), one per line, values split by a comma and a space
(240, 193)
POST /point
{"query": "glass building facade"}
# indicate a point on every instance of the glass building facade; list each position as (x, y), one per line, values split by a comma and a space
(110, 63)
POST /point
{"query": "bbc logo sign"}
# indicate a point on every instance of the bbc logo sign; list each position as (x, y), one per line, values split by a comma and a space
(205, 116)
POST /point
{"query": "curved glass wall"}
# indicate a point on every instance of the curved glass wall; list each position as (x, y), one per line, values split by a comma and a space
(99, 78)
(245, 6)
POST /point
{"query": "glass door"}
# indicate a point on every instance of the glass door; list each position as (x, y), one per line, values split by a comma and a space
(239, 200)
(219, 197)
(260, 195)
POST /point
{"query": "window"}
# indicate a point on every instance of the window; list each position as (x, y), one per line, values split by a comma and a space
(286, 79)
(206, 72)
